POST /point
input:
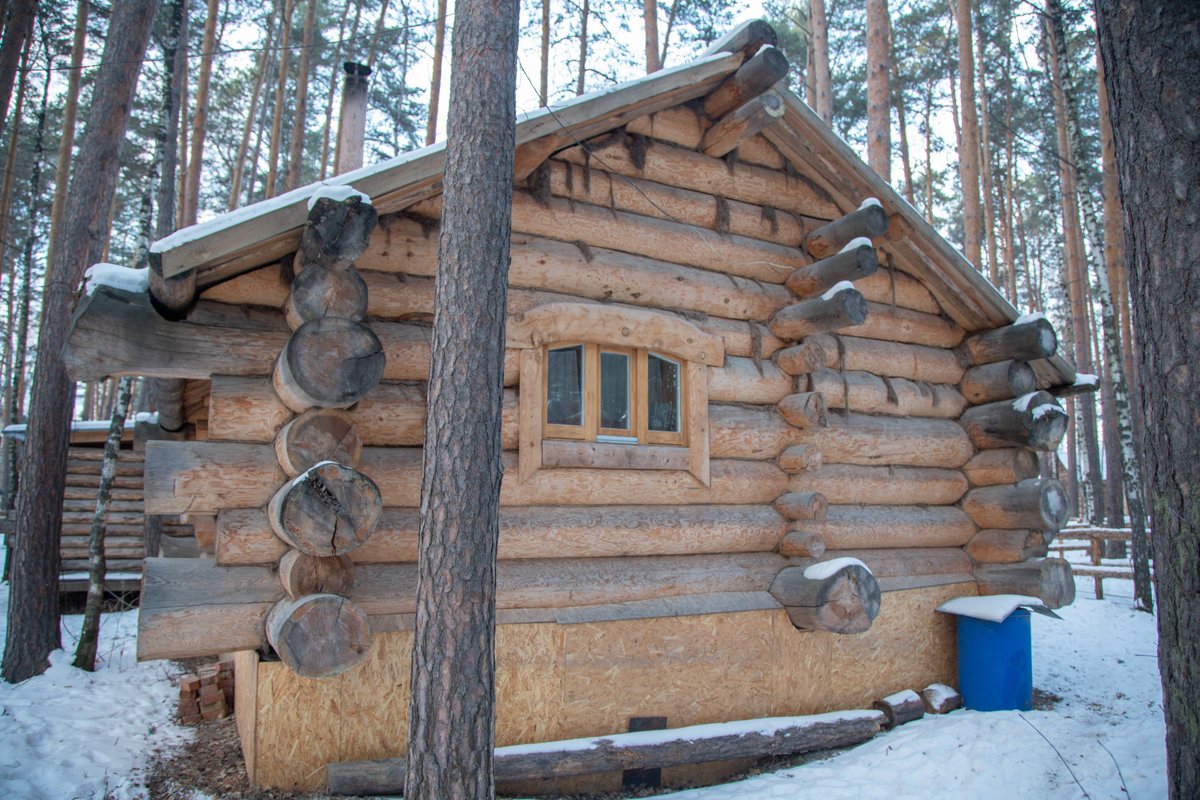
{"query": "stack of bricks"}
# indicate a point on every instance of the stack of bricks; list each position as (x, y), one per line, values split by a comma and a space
(206, 694)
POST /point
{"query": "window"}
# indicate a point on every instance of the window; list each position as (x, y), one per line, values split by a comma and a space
(613, 395)
(612, 387)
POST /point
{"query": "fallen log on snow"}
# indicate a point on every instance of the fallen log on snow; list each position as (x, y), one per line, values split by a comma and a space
(696, 744)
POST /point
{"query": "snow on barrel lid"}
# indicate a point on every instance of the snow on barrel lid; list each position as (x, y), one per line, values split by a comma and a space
(993, 608)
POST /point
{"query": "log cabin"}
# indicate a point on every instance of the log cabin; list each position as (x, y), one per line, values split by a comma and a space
(760, 419)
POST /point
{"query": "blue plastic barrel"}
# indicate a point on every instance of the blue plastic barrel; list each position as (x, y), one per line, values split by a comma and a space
(995, 663)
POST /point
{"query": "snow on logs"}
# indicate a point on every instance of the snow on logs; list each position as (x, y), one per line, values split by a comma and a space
(899, 708)
(839, 596)
(1047, 578)
(1037, 503)
(842, 306)
(1033, 420)
(869, 221)
(1027, 339)
(696, 744)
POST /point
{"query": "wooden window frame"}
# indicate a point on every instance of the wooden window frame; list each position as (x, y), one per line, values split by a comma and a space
(613, 329)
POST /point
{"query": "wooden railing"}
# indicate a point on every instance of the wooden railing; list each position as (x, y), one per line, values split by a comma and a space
(1091, 541)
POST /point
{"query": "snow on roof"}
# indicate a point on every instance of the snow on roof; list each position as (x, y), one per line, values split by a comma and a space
(135, 281)
(337, 194)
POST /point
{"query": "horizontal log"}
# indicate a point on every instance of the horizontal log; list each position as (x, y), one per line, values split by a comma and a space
(847, 484)
(327, 511)
(871, 394)
(743, 122)
(846, 601)
(320, 292)
(319, 635)
(1026, 341)
(652, 237)
(746, 39)
(894, 359)
(192, 607)
(244, 535)
(745, 380)
(1004, 465)
(593, 272)
(850, 264)
(317, 435)
(1048, 578)
(871, 527)
(940, 699)
(836, 309)
(204, 477)
(1034, 420)
(677, 166)
(802, 505)
(302, 574)
(869, 221)
(802, 543)
(892, 324)
(908, 562)
(328, 362)
(775, 736)
(899, 708)
(800, 457)
(903, 441)
(1001, 380)
(895, 288)
(606, 455)
(685, 126)
(804, 409)
(1037, 503)
(995, 546)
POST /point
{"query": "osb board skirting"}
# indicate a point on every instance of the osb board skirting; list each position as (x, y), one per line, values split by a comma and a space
(588, 679)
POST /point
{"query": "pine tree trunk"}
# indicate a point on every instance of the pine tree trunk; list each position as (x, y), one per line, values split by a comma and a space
(89, 636)
(191, 197)
(285, 36)
(451, 737)
(10, 160)
(17, 30)
(435, 85)
(1150, 54)
(1143, 595)
(581, 81)
(901, 123)
(544, 78)
(379, 23)
(300, 118)
(239, 162)
(968, 151)
(985, 166)
(182, 46)
(650, 23)
(33, 607)
(168, 125)
(879, 111)
(66, 144)
(334, 72)
(820, 51)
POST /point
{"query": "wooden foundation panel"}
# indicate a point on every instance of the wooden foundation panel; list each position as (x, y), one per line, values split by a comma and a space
(558, 681)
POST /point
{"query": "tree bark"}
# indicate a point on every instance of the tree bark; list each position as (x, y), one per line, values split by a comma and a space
(581, 80)
(544, 78)
(650, 20)
(85, 650)
(208, 46)
(66, 145)
(295, 161)
(18, 27)
(451, 740)
(968, 150)
(820, 50)
(33, 608)
(280, 86)
(1150, 51)
(239, 161)
(879, 107)
(435, 85)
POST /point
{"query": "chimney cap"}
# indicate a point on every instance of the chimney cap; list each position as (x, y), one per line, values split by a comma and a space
(354, 68)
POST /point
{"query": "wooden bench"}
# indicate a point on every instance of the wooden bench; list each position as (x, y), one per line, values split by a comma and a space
(1093, 540)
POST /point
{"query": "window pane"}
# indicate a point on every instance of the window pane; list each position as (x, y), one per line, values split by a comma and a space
(564, 387)
(614, 391)
(663, 394)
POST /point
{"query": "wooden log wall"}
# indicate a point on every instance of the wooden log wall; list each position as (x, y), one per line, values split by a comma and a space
(833, 420)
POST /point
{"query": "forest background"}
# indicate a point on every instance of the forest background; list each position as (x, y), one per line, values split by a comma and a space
(923, 88)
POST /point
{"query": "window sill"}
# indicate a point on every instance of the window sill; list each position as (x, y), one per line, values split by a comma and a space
(602, 455)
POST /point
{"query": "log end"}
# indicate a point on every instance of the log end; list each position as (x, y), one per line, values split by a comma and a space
(846, 601)
(329, 510)
(319, 635)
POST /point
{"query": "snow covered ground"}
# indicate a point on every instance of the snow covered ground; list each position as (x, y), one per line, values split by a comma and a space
(71, 734)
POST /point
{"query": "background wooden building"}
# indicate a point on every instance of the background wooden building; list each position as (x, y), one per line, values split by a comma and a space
(650, 566)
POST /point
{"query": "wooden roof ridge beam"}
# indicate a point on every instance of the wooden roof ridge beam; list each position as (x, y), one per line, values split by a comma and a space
(1027, 339)
(842, 306)
(868, 221)
(845, 602)
(857, 259)
(746, 39)
(741, 123)
(754, 77)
